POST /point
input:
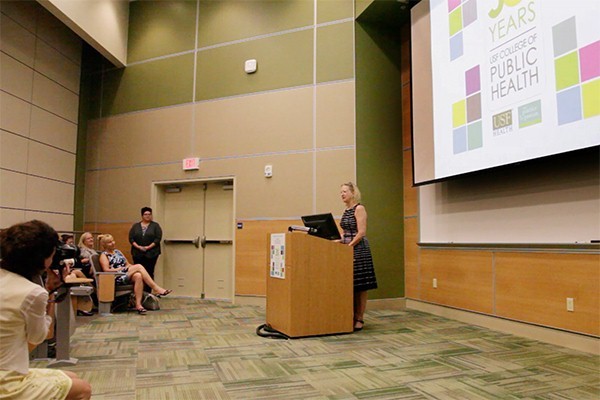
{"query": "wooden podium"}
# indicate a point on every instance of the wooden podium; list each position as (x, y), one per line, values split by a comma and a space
(315, 296)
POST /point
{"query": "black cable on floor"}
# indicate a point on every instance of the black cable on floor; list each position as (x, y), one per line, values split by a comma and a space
(266, 331)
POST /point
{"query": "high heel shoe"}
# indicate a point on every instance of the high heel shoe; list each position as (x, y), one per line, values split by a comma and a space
(165, 293)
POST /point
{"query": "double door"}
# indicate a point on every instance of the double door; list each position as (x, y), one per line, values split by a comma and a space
(197, 244)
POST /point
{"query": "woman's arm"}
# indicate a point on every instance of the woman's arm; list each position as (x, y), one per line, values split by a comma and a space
(155, 231)
(126, 264)
(134, 236)
(157, 234)
(360, 213)
(104, 263)
(37, 312)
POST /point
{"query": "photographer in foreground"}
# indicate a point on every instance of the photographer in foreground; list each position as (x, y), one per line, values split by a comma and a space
(25, 315)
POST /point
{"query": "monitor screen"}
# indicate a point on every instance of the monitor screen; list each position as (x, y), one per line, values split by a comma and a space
(323, 226)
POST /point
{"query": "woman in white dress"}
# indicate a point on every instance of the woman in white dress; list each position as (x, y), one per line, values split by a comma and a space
(25, 315)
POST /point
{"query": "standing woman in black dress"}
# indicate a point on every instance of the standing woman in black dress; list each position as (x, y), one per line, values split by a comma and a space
(145, 237)
(354, 224)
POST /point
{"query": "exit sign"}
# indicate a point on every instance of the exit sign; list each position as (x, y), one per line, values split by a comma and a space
(191, 163)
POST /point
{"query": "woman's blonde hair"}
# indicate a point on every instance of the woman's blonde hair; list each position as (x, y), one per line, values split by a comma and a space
(107, 237)
(354, 190)
(83, 237)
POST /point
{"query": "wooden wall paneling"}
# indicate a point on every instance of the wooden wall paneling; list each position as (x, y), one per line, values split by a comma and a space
(411, 258)
(533, 287)
(411, 198)
(406, 117)
(405, 34)
(464, 279)
(251, 254)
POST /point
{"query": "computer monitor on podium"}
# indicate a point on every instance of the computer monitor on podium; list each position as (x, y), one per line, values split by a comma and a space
(322, 225)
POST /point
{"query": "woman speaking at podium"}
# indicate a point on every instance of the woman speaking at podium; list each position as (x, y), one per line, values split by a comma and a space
(354, 224)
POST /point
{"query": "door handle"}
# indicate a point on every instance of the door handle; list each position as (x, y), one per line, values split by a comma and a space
(204, 241)
(195, 242)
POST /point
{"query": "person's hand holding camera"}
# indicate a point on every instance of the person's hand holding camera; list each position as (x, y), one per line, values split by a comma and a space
(53, 279)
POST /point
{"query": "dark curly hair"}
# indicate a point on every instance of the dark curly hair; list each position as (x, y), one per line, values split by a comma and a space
(144, 209)
(24, 247)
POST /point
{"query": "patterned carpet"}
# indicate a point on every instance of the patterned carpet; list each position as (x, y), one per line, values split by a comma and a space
(199, 349)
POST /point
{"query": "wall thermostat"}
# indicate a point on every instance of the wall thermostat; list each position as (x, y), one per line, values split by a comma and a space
(250, 66)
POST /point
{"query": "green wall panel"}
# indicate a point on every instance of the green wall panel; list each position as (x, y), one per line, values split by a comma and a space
(379, 153)
(333, 10)
(158, 28)
(223, 21)
(335, 52)
(362, 5)
(153, 84)
(283, 61)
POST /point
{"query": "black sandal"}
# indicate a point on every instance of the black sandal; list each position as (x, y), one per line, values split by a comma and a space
(165, 293)
(141, 311)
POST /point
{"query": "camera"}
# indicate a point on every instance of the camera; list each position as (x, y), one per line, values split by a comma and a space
(64, 254)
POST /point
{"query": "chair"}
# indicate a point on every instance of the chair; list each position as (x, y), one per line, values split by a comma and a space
(107, 289)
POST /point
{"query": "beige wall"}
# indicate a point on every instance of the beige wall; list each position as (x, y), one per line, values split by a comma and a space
(39, 100)
(233, 137)
(295, 113)
(103, 24)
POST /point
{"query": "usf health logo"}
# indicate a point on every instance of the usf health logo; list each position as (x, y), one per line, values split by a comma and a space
(501, 3)
(502, 123)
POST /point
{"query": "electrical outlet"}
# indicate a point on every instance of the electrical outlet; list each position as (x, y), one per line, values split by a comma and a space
(434, 283)
(268, 171)
(570, 304)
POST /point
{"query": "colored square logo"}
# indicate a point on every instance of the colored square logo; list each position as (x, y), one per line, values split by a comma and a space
(472, 80)
(456, 46)
(530, 114)
(455, 21)
(459, 140)
(590, 94)
(452, 4)
(469, 11)
(568, 104)
(564, 37)
(567, 70)
(459, 114)
(474, 107)
(475, 135)
(589, 61)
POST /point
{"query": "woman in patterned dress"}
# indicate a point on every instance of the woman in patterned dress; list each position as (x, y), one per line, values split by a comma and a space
(112, 259)
(354, 224)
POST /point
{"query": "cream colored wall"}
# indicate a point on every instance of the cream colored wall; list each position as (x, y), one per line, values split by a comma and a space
(39, 101)
(103, 24)
(238, 123)
(235, 136)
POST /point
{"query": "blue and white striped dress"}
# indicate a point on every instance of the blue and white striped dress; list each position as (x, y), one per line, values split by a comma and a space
(364, 271)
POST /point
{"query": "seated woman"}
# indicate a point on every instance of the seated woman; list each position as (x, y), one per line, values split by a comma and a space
(86, 248)
(112, 259)
(25, 310)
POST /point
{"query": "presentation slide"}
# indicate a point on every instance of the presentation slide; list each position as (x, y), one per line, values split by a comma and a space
(513, 80)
